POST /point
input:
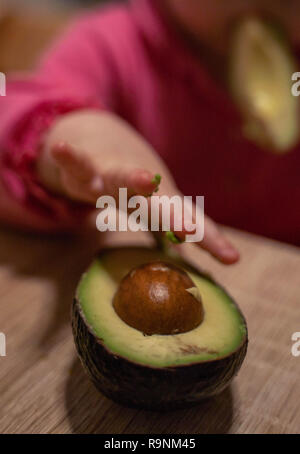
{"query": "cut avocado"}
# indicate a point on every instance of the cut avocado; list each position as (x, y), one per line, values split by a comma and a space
(155, 371)
(261, 67)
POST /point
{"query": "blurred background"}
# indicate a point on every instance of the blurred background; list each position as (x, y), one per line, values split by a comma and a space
(27, 27)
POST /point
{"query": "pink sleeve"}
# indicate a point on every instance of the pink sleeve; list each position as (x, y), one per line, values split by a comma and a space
(76, 74)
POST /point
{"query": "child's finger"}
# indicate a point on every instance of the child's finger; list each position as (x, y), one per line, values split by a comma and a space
(136, 181)
(81, 179)
(217, 244)
(214, 240)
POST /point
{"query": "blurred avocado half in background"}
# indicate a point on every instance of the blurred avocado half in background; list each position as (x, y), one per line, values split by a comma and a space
(153, 332)
(260, 80)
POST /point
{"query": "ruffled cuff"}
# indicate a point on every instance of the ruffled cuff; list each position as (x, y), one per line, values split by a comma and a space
(19, 159)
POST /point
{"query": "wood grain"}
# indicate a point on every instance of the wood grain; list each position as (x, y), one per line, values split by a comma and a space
(44, 390)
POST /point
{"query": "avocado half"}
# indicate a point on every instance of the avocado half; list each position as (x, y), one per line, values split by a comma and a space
(261, 68)
(155, 372)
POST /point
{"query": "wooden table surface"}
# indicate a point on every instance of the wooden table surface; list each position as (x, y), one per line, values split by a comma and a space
(44, 390)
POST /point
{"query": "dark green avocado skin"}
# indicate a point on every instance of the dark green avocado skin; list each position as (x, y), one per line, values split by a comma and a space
(139, 386)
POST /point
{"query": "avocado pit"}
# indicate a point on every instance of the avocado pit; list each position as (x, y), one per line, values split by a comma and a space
(159, 298)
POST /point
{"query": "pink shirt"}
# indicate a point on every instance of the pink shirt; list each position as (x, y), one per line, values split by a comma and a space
(128, 59)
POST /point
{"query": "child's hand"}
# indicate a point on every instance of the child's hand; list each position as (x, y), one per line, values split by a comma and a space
(83, 177)
(87, 154)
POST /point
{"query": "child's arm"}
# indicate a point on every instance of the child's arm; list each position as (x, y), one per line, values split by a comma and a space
(76, 74)
(60, 144)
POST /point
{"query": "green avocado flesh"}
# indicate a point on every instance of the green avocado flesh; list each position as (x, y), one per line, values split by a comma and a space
(222, 331)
